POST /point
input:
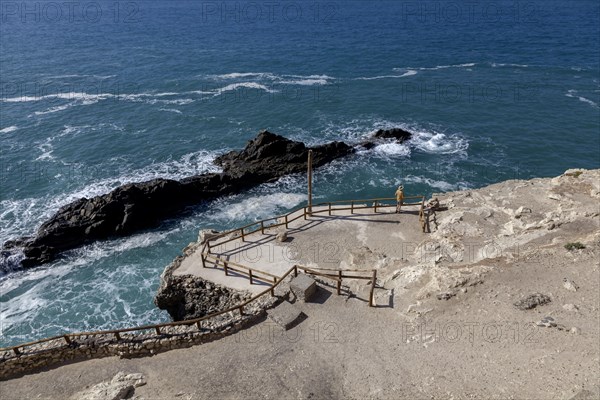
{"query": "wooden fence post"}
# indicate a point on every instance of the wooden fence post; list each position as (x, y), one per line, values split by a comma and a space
(262, 227)
(339, 283)
(286, 221)
(305, 213)
(374, 279)
(375, 207)
(157, 329)
(16, 351)
(309, 177)
(225, 267)
(250, 275)
(203, 260)
(117, 336)
(241, 310)
(199, 325)
(295, 270)
(352, 207)
(329, 208)
(67, 339)
(243, 237)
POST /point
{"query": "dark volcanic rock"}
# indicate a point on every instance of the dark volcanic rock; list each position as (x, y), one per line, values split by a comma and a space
(189, 297)
(397, 134)
(270, 156)
(126, 209)
(136, 206)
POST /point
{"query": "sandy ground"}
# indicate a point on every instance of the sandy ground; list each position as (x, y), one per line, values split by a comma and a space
(491, 248)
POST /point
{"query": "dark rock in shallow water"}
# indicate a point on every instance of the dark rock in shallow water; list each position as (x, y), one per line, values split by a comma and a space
(269, 157)
(136, 206)
(189, 297)
(397, 134)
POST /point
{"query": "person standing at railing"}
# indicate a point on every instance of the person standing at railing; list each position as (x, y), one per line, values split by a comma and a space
(399, 198)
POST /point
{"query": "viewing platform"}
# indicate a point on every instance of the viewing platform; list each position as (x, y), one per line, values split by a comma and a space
(335, 236)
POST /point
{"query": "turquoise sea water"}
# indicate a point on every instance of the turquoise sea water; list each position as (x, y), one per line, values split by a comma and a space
(97, 94)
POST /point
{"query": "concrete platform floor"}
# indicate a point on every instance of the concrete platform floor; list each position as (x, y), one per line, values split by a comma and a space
(319, 241)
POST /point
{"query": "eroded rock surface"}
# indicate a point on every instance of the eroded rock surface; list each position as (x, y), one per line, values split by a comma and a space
(187, 297)
(120, 387)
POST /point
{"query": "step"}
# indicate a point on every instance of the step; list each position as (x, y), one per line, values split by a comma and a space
(285, 314)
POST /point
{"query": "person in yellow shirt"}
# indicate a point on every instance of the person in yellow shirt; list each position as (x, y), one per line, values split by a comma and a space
(399, 198)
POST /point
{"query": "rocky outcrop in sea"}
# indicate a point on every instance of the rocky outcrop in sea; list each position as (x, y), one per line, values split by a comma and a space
(137, 206)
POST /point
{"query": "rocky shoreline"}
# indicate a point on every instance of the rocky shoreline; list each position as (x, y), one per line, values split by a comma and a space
(511, 266)
(189, 297)
(137, 206)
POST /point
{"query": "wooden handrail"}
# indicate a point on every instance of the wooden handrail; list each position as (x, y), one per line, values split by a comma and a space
(150, 327)
(338, 278)
(328, 209)
(216, 258)
(157, 327)
(206, 251)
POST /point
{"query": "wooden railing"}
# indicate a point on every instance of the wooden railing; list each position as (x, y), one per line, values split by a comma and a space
(336, 275)
(304, 212)
(70, 337)
(252, 273)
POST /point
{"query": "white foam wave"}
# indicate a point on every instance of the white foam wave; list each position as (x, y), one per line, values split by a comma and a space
(496, 65)
(305, 82)
(9, 129)
(65, 76)
(173, 110)
(425, 139)
(178, 102)
(61, 96)
(47, 149)
(438, 143)
(247, 85)
(302, 80)
(238, 75)
(61, 290)
(437, 67)
(438, 184)
(392, 149)
(310, 76)
(353, 131)
(407, 73)
(20, 217)
(87, 97)
(573, 94)
(54, 109)
(286, 79)
(256, 207)
(84, 99)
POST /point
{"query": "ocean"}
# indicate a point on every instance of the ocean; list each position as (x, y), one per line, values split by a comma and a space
(95, 94)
